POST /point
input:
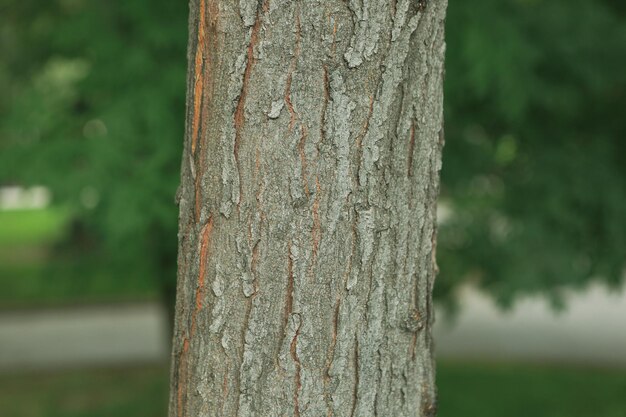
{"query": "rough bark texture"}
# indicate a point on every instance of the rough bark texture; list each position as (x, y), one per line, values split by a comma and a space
(307, 209)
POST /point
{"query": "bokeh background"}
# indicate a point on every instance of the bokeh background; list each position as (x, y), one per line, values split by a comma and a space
(532, 218)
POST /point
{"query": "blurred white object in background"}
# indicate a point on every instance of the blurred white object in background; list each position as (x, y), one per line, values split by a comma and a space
(19, 198)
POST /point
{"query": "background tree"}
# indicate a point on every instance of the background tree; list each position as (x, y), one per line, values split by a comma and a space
(535, 176)
(92, 106)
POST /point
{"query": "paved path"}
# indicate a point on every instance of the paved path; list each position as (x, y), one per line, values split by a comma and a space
(97, 336)
(592, 331)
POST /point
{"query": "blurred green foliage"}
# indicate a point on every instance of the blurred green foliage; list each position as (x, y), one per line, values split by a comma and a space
(534, 173)
(53, 281)
(93, 104)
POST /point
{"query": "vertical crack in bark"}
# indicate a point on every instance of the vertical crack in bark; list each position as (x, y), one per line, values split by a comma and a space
(355, 232)
(199, 79)
(183, 368)
(183, 371)
(317, 225)
(183, 263)
(244, 329)
(379, 378)
(420, 254)
(292, 68)
(260, 186)
(370, 273)
(181, 364)
(198, 187)
(340, 294)
(287, 314)
(303, 161)
(289, 292)
(200, 105)
(333, 48)
(294, 355)
(434, 251)
(326, 84)
(355, 392)
(255, 260)
(225, 388)
(411, 148)
(240, 116)
(416, 317)
(239, 111)
(361, 135)
(181, 383)
(330, 355)
(200, 291)
(433, 267)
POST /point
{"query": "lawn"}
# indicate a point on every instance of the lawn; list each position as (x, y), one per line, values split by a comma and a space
(506, 390)
(135, 392)
(31, 227)
(465, 390)
(33, 274)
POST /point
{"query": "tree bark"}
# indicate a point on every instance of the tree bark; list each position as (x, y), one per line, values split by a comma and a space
(307, 209)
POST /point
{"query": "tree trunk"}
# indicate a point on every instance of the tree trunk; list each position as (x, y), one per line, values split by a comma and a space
(307, 209)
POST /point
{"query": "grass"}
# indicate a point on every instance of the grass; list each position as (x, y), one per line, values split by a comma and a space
(140, 392)
(465, 390)
(508, 390)
(31, 227)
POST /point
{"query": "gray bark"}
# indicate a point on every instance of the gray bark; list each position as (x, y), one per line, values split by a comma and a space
(307, 209)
